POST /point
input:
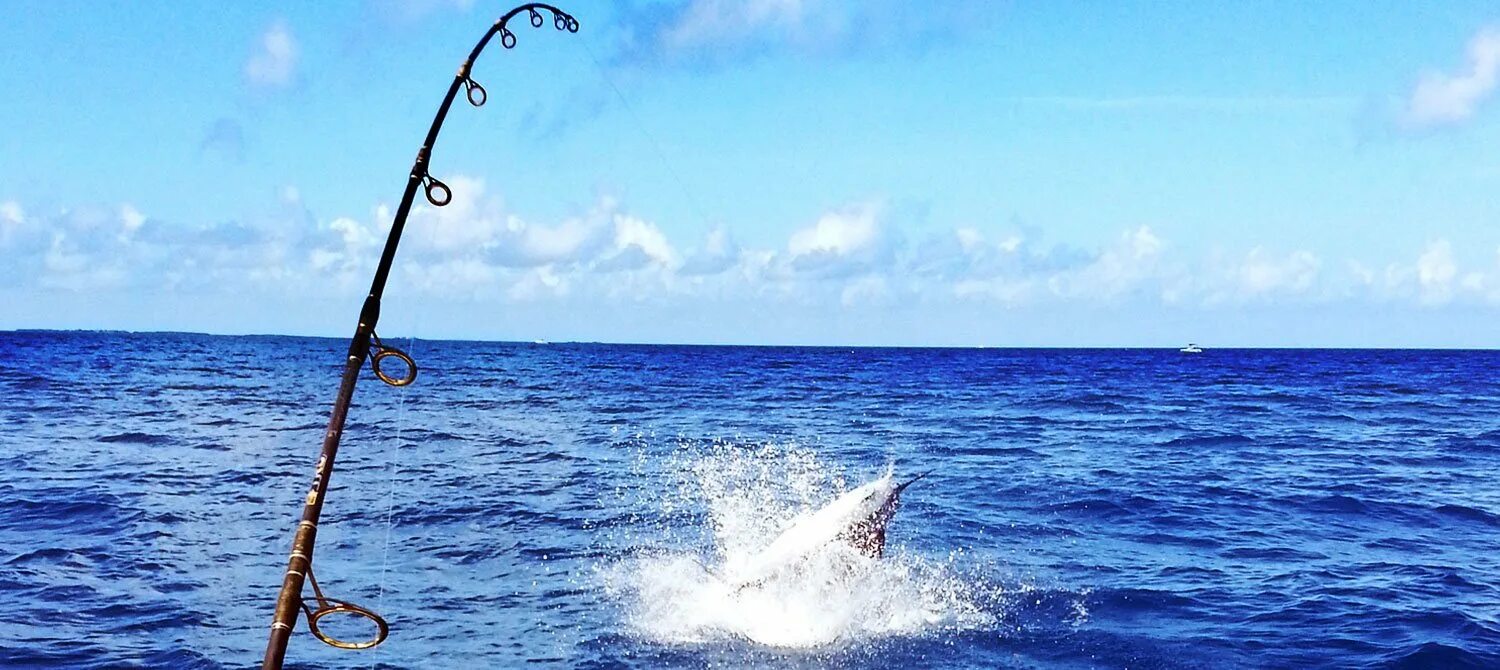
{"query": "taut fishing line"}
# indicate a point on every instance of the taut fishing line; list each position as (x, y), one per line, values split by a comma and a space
(661, 155)
(393, 469)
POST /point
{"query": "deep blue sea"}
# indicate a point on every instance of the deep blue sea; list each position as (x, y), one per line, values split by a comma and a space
(566, 505)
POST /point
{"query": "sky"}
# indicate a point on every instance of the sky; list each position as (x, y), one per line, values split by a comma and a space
(1278, 174)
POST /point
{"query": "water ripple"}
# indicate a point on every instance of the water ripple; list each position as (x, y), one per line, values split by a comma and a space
(1304, 509)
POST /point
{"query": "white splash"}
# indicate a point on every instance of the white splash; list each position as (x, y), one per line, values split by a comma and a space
(774, 515)
(809, 536)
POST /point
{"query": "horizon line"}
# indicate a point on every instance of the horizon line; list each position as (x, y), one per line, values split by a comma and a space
(544, 342)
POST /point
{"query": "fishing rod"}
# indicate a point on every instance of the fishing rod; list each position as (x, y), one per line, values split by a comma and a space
(367, 345)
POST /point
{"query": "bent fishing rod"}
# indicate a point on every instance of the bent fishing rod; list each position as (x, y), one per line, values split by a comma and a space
(367, 345)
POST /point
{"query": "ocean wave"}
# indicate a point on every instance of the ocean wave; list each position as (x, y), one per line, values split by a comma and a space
(136, 438)
(1211, 440)
(1439, 655)
(1469, 514)
(1102, 506)
(70, 510)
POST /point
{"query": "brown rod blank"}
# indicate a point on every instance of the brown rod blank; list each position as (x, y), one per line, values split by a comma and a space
(366, 344)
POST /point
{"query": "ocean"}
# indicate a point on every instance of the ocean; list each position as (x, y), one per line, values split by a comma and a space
(572, 505)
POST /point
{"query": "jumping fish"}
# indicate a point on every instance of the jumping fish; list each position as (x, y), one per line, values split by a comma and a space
(857, 518)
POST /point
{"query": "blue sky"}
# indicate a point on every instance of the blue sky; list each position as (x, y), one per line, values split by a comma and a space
(764, 171)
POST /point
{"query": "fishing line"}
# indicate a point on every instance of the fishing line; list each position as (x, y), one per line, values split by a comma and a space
(656, 146)
(393, 468)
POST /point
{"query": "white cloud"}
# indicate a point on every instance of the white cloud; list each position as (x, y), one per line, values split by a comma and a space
(1117, 270)
(537, 284)
(716, 21)
(462, 277)
(1142, 243)
(132, 218)
(718, 253)
(571, 241)
(1441, 99)
(274, 62)
(11, 212)
(970, 239)
(1436, 277)
(474, 224)
(1011, 244)
(465, 224)
(1435, 266)
(70, 269)
(712, 32)
(1473, 281)
(635, 233)
(1362, 274)
(869, 290)
(1003, 290)
(356, 236)
(1435, 272)
(345, 251)
(1262, 273)
(850, 257)
(1489, 282)
(845, 240)
(845, 232)
(12, 217)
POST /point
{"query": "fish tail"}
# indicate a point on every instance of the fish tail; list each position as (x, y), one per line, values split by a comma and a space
(913, 480)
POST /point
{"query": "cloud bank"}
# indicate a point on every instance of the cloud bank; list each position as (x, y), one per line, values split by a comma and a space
(851, 257)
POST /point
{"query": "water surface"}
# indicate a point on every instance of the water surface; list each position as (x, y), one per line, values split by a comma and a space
(554, 504)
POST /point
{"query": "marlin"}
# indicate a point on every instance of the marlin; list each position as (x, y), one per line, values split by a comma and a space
(857, 518)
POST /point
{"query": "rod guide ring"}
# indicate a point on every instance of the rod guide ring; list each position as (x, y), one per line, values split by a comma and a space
(438, 193)
(387, 352)
(382, 629)
(476, 93)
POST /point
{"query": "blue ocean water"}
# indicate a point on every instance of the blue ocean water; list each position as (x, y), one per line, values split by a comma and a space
(563, 505)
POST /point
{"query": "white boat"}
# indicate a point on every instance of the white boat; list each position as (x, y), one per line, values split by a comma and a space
(1191, 349)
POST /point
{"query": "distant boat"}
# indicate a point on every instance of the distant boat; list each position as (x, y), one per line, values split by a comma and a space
(1191, 349)
(540, 342)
